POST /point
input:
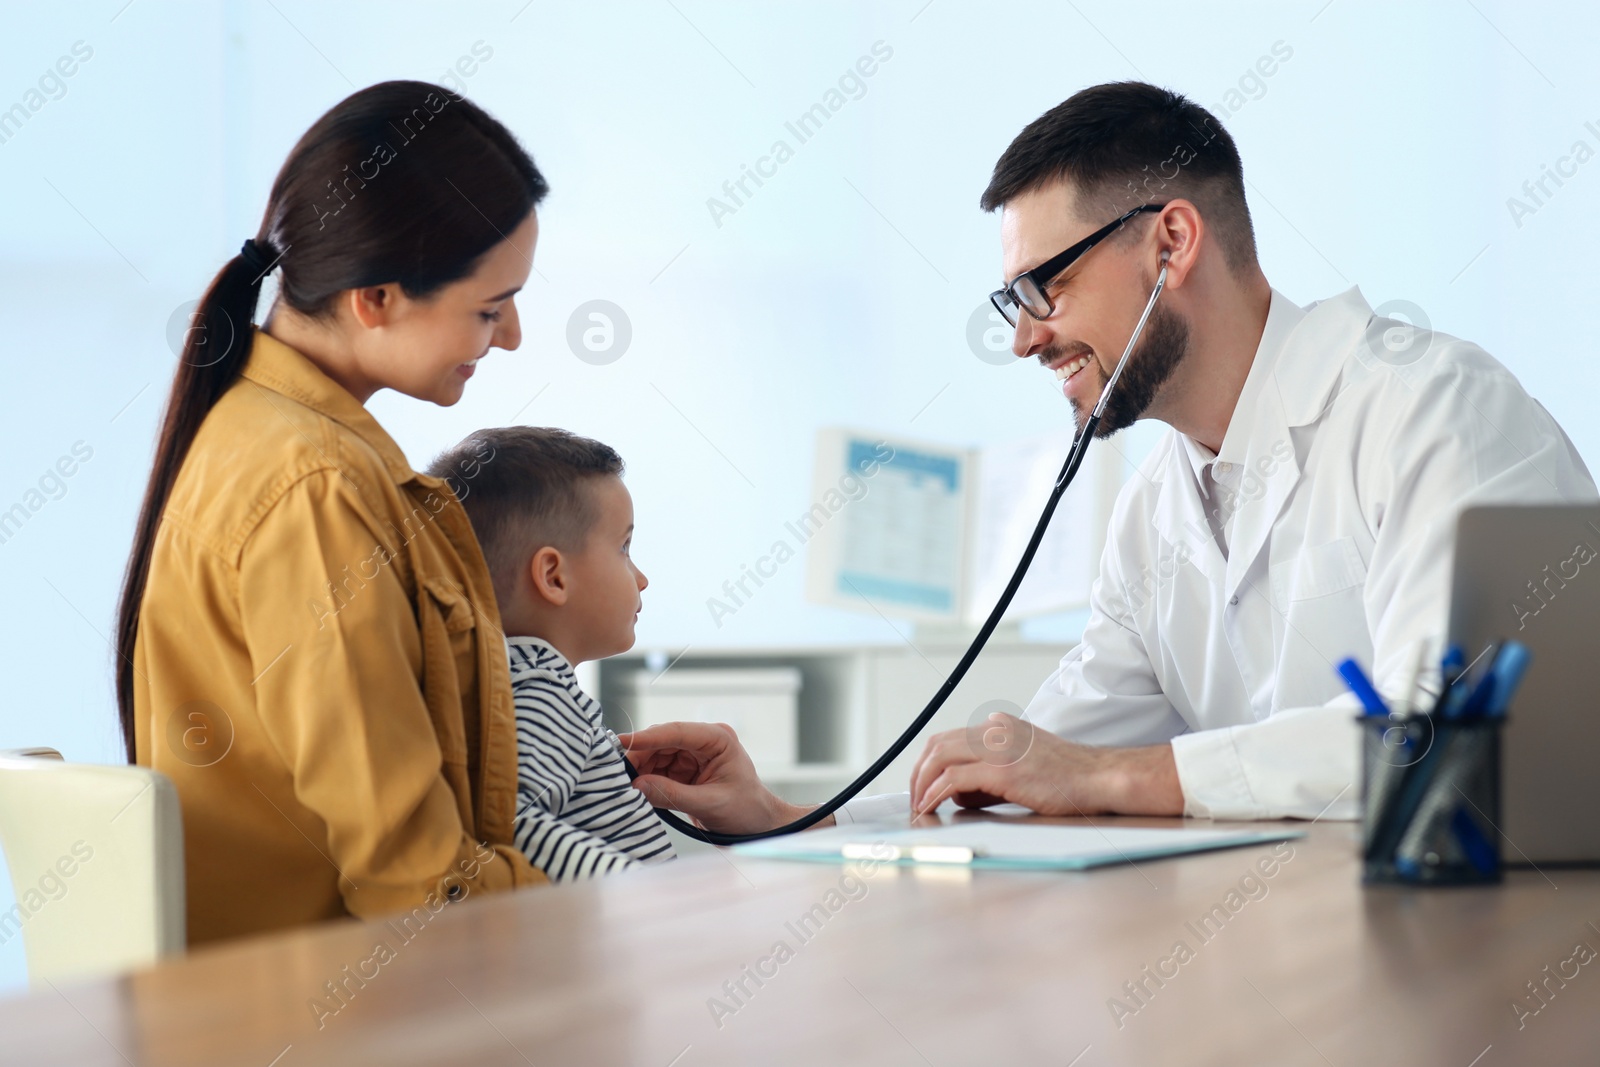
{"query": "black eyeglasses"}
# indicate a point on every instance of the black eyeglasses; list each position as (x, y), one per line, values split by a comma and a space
(1027, 291)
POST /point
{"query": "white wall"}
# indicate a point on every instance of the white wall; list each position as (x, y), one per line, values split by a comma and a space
(1382, 153)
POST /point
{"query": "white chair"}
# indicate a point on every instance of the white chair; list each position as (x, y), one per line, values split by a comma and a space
(96, 858)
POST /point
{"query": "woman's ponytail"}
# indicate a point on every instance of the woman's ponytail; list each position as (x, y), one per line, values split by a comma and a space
(403, 182)
(215, 349)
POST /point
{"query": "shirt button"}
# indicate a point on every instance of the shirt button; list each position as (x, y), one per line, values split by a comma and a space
(1224, 468)
(1233, 600)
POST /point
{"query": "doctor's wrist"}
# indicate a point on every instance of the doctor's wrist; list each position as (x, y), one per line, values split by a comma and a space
(1144, 781)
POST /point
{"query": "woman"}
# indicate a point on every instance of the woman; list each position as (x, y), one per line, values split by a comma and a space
(308, 640)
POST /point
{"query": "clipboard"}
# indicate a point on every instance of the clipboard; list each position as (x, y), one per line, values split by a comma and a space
(1005, 845)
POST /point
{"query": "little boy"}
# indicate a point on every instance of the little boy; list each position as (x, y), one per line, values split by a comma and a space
(555, 523)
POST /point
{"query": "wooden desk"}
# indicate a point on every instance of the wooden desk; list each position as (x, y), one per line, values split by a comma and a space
(921, 967)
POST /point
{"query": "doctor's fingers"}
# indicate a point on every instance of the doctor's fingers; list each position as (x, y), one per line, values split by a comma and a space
(974, 785)
(947, 740)
(692, 800)
(707, 738)
(676, 764)
(944, 751)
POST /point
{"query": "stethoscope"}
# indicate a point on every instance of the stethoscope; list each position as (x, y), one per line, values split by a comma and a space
(1080, 445)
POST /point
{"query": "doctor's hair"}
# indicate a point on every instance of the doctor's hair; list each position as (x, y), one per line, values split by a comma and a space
(526, 488)
(1123, 144)
(403, 183)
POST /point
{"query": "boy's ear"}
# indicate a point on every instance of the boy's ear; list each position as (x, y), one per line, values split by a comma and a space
(547, 569)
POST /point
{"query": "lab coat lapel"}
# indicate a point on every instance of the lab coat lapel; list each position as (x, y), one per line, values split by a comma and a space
(1179, 519)
(1313, 357)
(1269, 477)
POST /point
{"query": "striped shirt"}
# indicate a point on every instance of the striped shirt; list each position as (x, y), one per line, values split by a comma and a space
(577, 814)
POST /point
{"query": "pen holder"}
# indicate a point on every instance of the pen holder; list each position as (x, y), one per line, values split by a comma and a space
(1430, 800)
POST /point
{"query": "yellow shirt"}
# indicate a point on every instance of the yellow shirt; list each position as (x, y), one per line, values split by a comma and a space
(319, 668)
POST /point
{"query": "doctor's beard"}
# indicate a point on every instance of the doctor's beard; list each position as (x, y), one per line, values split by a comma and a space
(1161, 350)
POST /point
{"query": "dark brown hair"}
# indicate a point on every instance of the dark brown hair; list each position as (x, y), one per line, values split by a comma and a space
(1123, 144)
(403, 182)
(524, 489)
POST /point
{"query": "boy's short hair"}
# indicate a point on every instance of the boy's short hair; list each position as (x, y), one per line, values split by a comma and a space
(522, 487)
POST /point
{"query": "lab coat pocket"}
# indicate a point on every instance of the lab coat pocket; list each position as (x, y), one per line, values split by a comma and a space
(1321, 599)
(1317, 571)
(449, 655)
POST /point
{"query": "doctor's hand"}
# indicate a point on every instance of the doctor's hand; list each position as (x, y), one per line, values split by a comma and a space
(1007, 759)
(701, 769)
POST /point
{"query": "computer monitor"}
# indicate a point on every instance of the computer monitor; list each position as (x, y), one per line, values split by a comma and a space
(931, 532)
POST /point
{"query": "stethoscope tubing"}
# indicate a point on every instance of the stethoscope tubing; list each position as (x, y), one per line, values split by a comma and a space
(1069, 470)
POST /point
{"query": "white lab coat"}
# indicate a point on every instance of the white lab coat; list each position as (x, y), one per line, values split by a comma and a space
(1360, 440)
(1355, 444)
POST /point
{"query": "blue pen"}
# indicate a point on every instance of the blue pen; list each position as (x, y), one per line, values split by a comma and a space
(1482, 685)
(1466, 685)
(1480, 853)
(1454, 660)
(1511, 666)
(1451, 665)
(1353, 676)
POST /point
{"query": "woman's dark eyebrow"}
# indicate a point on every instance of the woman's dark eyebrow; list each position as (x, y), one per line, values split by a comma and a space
(502, 296)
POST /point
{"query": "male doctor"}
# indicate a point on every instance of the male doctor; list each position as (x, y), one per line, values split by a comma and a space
(1301, 509)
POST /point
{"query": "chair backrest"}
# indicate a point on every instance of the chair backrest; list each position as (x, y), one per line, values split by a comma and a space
(96, 858)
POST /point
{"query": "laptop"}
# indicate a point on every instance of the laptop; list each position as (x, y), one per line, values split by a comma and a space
(1532, 574)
